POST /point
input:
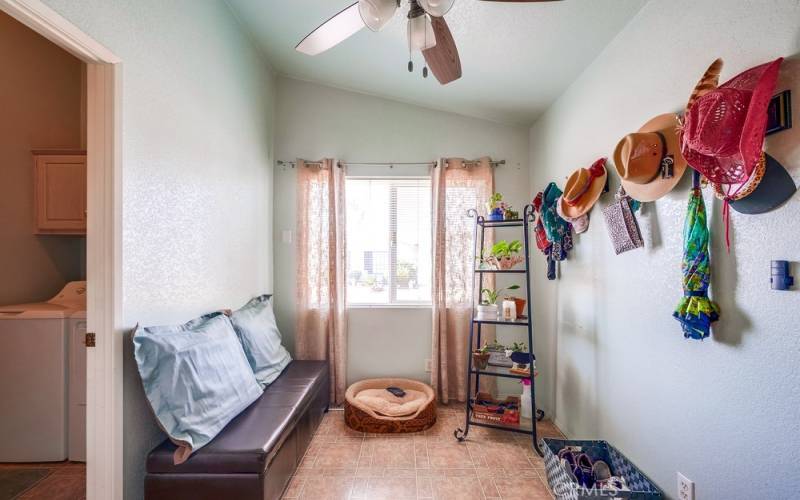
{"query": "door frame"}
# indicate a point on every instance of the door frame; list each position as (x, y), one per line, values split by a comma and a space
(104, 447)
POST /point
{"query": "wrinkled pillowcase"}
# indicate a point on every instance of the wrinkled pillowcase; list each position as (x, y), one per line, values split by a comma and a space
(258, 332)
(196, 378)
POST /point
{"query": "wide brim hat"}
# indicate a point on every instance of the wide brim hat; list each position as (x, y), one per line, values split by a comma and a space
(579, 224)
(772, 188)
(723, 131)
(582, 190)
(638, 158)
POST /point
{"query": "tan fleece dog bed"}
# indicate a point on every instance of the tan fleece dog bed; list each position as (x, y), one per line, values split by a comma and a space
(369, 407)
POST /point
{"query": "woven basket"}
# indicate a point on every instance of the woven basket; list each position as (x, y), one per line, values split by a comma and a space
(564, 488)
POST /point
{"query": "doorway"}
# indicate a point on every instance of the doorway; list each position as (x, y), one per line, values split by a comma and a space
(102, 222)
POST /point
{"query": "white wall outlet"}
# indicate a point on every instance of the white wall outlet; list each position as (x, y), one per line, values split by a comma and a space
(685, 488)
(428, 366)
(286, 236)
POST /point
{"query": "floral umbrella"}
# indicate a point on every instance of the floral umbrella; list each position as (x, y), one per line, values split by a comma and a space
(695, 310)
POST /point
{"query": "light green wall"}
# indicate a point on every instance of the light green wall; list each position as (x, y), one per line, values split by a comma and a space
(614, 361)
(197, 129)
(316, 121)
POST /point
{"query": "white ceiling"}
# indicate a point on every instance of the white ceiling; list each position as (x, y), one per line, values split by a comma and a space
(516, 58)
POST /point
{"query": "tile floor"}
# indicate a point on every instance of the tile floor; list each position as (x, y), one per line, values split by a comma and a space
(343, 464)
(65, 481)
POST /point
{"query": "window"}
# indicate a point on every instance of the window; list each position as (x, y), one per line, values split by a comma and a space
(388, 241)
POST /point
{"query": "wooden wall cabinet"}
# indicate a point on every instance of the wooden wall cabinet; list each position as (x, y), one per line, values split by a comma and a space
(60, 192)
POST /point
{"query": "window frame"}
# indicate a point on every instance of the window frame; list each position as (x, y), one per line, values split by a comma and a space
(392, 303)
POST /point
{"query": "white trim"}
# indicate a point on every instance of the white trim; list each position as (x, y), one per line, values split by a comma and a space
(48, 23)
(104, 237)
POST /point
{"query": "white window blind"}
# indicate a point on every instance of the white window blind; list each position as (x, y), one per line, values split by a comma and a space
(388, 241)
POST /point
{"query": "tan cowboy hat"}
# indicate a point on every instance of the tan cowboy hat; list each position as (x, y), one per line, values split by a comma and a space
(649, 162)
(583, 189)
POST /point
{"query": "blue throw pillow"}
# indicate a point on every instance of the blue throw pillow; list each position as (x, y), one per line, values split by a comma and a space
(257, 330)
(196, 377)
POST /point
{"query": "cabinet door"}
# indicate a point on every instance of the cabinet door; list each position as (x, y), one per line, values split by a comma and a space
(60, 184)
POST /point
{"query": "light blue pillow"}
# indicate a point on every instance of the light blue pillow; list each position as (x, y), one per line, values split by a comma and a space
(196, 378)
(257, 330)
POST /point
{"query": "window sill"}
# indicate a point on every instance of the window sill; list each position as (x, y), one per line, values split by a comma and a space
(389, 306)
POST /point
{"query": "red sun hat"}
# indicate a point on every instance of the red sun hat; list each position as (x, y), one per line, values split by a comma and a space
(723, 130)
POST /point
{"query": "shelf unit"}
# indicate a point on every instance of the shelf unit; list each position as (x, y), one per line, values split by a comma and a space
(473, 374)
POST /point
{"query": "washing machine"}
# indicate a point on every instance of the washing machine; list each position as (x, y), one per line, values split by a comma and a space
(43, 378)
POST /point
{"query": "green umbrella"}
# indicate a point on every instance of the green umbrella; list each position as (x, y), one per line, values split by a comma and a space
(695, 310)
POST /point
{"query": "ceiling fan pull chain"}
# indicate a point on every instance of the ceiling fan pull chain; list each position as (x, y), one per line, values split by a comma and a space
(410, 66)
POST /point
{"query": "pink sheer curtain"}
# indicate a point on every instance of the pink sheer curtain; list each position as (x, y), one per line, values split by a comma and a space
(457, 186)
(321, 325)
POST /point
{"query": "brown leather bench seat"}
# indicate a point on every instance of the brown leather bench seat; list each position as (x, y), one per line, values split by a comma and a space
(257, 452)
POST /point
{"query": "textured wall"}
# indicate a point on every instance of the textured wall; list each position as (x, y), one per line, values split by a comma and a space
(316, 121)
(614, 362)
(40, 99)
(197, 153)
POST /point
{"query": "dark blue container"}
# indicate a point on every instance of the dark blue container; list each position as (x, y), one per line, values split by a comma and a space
(780, 278)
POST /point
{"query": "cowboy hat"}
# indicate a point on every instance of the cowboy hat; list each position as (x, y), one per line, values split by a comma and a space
(723, 131)
(583, 189)
(579, 224)
(649, 162)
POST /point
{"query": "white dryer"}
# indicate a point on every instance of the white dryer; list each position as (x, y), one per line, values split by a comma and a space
(39, 347)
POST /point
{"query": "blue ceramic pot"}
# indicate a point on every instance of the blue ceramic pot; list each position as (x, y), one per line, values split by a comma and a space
(496, 214)
(521, 358)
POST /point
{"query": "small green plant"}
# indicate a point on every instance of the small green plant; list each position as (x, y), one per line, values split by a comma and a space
(496, 346)
(505, 249)
(483, 350)
(493, 202)
(489, 296)
(518, 347)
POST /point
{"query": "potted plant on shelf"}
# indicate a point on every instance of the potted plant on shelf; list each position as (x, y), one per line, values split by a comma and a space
(518, 352)
(520, 304)
(494, 211)
(505, 255)
(480, 357)
(487, 309)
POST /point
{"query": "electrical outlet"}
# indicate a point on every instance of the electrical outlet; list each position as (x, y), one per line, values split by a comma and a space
(428, 366)
(685, 488)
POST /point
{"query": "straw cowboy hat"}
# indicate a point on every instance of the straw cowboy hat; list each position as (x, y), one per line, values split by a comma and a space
(583, 189)
(649, 162)
(579, 224)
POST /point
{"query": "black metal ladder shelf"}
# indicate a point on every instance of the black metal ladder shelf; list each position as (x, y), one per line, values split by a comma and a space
(481, 224)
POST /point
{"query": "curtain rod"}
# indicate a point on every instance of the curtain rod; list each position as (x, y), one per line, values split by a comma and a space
(292, 164)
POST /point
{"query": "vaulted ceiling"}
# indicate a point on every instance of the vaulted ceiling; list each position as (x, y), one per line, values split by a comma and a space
(517, 58)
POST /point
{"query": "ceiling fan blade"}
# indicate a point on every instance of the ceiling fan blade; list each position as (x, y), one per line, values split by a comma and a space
(333, 31)
(443, 58)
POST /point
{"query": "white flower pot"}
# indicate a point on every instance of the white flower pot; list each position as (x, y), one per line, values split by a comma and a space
(489, 311)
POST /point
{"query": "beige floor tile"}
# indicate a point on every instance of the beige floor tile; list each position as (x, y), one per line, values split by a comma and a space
(514, 488)
(457, 489)
(386, 488)
(328, 488)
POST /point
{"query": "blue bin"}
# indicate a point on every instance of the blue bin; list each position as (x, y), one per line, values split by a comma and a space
(564, 488)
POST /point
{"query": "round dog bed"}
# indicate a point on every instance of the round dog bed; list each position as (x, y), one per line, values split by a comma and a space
(369, 407)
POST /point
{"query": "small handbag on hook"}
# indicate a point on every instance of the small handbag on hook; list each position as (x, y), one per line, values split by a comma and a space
(621, 222)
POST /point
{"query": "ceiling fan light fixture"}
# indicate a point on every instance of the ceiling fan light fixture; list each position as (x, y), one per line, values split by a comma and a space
(376, 13)
(436, 8)
(333, 31)
(420, 33)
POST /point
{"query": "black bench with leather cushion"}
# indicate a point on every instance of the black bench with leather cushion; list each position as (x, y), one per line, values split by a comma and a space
(256, 454)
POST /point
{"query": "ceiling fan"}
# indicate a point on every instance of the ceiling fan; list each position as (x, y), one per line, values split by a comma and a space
(427, 31)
